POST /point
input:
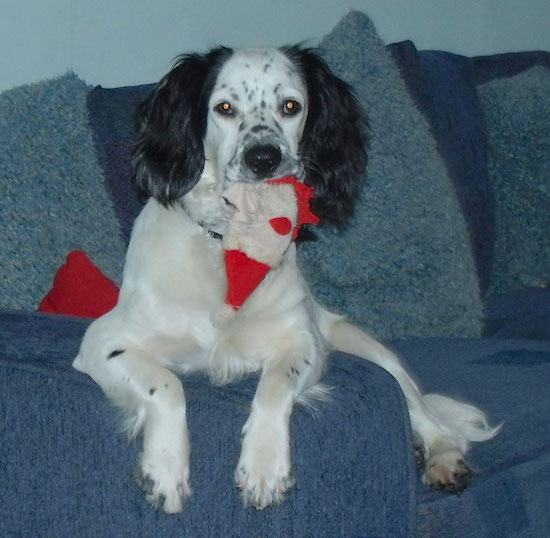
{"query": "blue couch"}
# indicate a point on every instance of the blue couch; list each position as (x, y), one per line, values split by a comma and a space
(447, 258)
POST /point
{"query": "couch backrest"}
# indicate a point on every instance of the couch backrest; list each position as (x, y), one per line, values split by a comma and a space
(490, 118)
(435, 226)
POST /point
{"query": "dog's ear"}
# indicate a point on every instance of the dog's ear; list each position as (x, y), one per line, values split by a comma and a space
(334, 142)
(168, 157)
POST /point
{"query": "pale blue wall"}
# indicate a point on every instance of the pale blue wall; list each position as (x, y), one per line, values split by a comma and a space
(117, 42)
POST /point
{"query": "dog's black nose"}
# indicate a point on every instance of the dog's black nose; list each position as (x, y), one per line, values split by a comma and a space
(262, 159)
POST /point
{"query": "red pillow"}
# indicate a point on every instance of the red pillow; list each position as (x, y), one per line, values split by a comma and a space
(80, 289)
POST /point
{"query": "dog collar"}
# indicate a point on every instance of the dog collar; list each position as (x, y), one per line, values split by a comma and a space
(209, 232)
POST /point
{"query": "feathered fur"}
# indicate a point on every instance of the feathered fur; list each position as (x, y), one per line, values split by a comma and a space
(246, 115)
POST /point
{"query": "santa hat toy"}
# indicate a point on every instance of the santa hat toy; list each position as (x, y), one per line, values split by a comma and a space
(267, 217)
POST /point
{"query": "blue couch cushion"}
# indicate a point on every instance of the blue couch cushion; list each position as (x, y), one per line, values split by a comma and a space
(112, 117)
(523, 314)
(66, 471)
(53, 198)
(510, 381)
(497, 66)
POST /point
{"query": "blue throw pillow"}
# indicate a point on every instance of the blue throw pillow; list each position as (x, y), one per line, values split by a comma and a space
(404, 267)
(517, 116)
(53, 191)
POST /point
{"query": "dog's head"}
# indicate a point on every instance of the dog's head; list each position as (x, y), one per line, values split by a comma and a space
(252, 114)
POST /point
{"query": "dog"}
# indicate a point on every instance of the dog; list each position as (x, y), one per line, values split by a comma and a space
(217, 118)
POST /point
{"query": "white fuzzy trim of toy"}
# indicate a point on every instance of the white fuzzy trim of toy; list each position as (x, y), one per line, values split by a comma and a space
(249, 230)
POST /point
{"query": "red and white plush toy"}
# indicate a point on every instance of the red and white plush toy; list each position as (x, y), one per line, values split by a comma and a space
(267, 216)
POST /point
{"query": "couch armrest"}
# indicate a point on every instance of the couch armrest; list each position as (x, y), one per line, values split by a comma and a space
(65, 469)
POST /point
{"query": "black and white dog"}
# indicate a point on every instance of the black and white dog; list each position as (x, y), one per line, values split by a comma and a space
(226, 116)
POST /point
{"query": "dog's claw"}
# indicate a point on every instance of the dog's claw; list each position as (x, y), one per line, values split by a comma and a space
(162, 496)
(263, 493)
(448, 472)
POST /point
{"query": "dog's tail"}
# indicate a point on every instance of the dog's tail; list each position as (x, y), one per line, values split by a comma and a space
(466, 420)
(432, 415)
(342, 335)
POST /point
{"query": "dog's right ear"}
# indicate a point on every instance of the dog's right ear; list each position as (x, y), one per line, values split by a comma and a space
(168, 158)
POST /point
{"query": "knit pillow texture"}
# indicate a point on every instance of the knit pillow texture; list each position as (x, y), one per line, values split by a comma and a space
(517, 118)
(403, 267)
(53, 198)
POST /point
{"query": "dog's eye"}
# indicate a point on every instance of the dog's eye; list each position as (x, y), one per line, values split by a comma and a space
(224, 108)
(291, 107)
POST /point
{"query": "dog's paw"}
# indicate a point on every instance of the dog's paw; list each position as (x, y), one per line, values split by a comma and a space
(262, 488)
(264, 472)
(165, 487)
(448, 471)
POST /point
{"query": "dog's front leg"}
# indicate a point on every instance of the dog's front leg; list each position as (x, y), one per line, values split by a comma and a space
(162, 470)
(153, 402)
(264, 472)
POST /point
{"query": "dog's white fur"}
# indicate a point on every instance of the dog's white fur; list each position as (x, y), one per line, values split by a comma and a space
(174, 279)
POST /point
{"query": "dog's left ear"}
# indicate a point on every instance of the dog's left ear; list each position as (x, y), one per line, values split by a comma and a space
(334, 142)
(168, 158)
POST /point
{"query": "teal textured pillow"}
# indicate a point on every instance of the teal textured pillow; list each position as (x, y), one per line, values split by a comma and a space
(53, 194)
(404, 267)
(517, 117)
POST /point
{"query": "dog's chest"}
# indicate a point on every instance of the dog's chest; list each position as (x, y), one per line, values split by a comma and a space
(270, 318)
(177, 274)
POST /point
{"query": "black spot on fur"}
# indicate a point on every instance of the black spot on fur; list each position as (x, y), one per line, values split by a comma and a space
(152, 391)
(258, 128)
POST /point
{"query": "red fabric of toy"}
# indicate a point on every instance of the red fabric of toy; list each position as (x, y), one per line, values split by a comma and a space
(244, 275)
(80, 289)
(304, 195)
(281, 225)
(266, 218)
